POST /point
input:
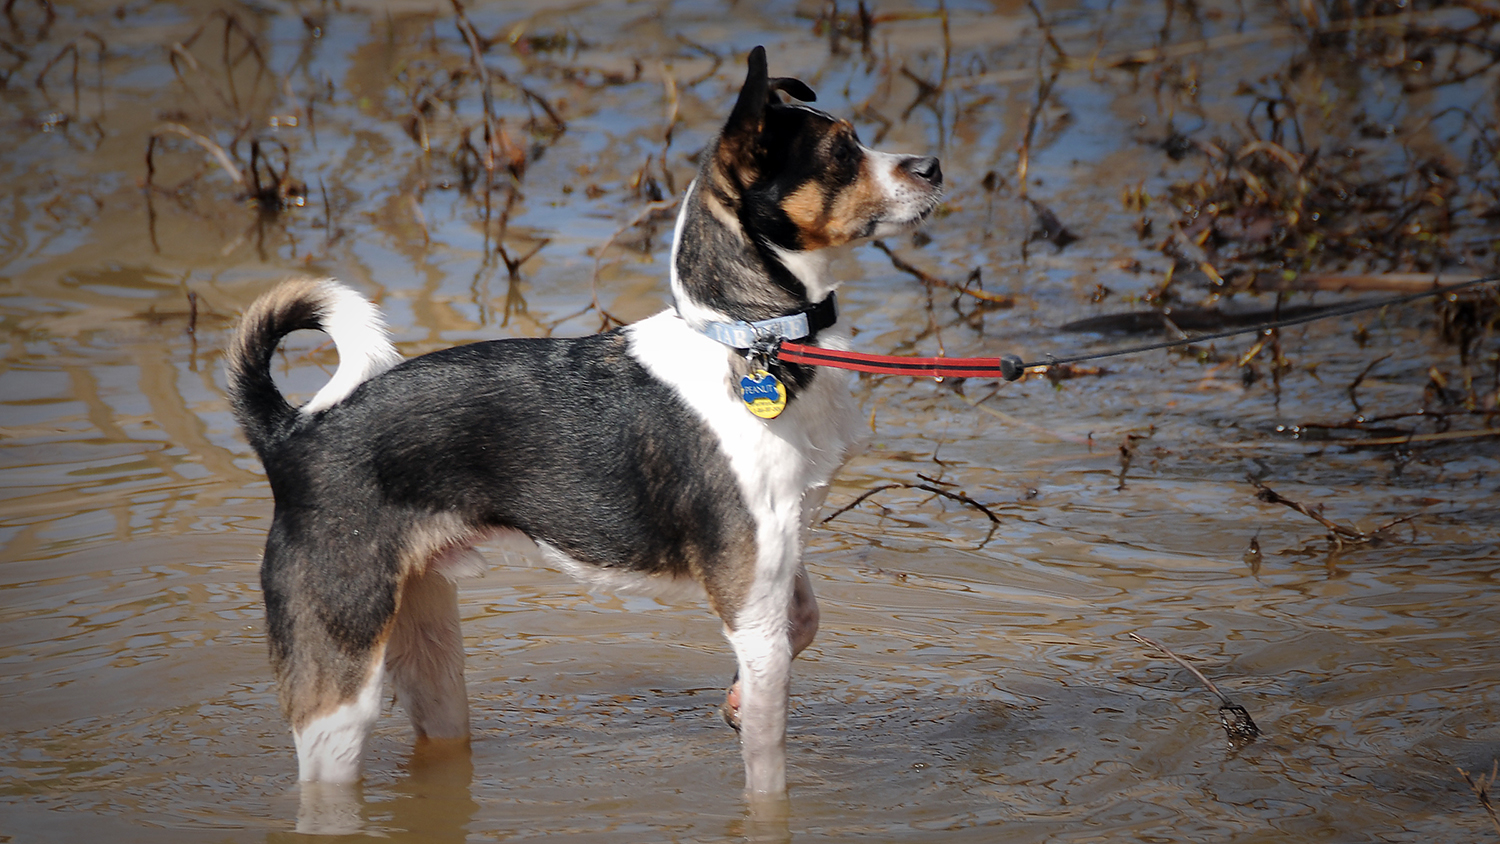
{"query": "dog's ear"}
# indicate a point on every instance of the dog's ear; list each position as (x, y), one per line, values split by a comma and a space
(749, 112)
(796, 87)
(739, 143)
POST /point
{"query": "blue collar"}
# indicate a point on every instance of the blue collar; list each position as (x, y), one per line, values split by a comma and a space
(748, 335)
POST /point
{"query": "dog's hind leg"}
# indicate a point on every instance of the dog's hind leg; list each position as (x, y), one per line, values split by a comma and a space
(803, 621)
(425, 655)
(328, 620)
(331, 741)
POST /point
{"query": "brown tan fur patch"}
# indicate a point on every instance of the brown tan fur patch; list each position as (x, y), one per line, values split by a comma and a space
(826, 220)
(310, 688)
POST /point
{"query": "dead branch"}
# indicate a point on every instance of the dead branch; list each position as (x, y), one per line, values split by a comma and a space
(606, 317)
(1481, 786)
(219, 153)
(1339, 536)
(1400, 282)
(860, 499)
(1223, 698)
(927, 485)
(1271, 496)
(931, 280)
(1238, 725)
(1334, 528)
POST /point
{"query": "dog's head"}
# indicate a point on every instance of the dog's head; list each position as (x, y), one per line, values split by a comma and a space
(802, 180)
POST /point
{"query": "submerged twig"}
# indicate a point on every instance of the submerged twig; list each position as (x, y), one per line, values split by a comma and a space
(931, 280)
(1481, 786)
(928, 485)
(1042, 434)
(1049, 227)
(1046, 28)
(1235, 719)
(1127, 455)
(1339, 536)
(219, 154)
(1360, 378)
(493, 135)
(1023, 152)
(71, 49)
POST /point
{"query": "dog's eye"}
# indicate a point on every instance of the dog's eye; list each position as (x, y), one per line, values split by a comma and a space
(844, 151)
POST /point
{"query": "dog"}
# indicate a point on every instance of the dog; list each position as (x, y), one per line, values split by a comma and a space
(673, 449)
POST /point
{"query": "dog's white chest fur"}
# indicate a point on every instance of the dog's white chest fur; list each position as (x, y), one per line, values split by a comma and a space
(782, 465)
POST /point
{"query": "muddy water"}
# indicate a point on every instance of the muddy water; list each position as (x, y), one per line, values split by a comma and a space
(972, 681)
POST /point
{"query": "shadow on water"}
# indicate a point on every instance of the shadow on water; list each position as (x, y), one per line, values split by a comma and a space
(1303, 520)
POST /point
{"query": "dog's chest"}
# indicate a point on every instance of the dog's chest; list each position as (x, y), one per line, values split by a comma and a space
(775, 460)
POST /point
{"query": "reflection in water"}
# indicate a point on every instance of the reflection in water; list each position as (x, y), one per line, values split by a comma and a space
(329, 809)
(433, 799)
(768, 821)
(957, 689)
(430, 801)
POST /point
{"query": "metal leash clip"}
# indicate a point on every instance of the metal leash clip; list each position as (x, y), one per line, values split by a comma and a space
(762, 353)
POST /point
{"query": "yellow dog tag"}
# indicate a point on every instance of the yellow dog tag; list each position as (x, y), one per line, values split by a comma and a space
(763, 394)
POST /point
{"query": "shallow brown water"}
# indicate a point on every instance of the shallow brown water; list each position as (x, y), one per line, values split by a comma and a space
(967, 683)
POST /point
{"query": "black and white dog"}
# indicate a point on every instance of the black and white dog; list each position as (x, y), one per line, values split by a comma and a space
(668, 450)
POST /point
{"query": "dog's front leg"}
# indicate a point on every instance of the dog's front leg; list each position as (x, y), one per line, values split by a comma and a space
(760, 631)
(765, 662)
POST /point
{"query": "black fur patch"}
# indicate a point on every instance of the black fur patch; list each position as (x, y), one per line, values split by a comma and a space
(570, 442)
(258, 404)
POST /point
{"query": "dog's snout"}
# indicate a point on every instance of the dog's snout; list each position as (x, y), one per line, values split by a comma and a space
(925, 168)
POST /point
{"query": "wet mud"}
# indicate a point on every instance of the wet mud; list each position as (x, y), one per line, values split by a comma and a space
(1051, 609)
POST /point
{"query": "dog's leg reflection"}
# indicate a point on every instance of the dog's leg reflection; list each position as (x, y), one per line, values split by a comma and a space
(768, 822)
(435, 798)
(331, 808)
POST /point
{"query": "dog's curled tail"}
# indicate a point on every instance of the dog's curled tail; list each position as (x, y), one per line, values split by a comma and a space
(357, 331)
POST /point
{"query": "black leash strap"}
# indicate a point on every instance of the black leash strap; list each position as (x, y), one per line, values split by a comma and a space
(1012, 366)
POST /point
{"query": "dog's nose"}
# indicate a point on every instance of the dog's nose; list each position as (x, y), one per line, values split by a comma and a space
(925, 168)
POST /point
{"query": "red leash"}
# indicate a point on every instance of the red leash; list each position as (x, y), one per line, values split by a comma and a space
(1011, 367)
(1008, 367)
